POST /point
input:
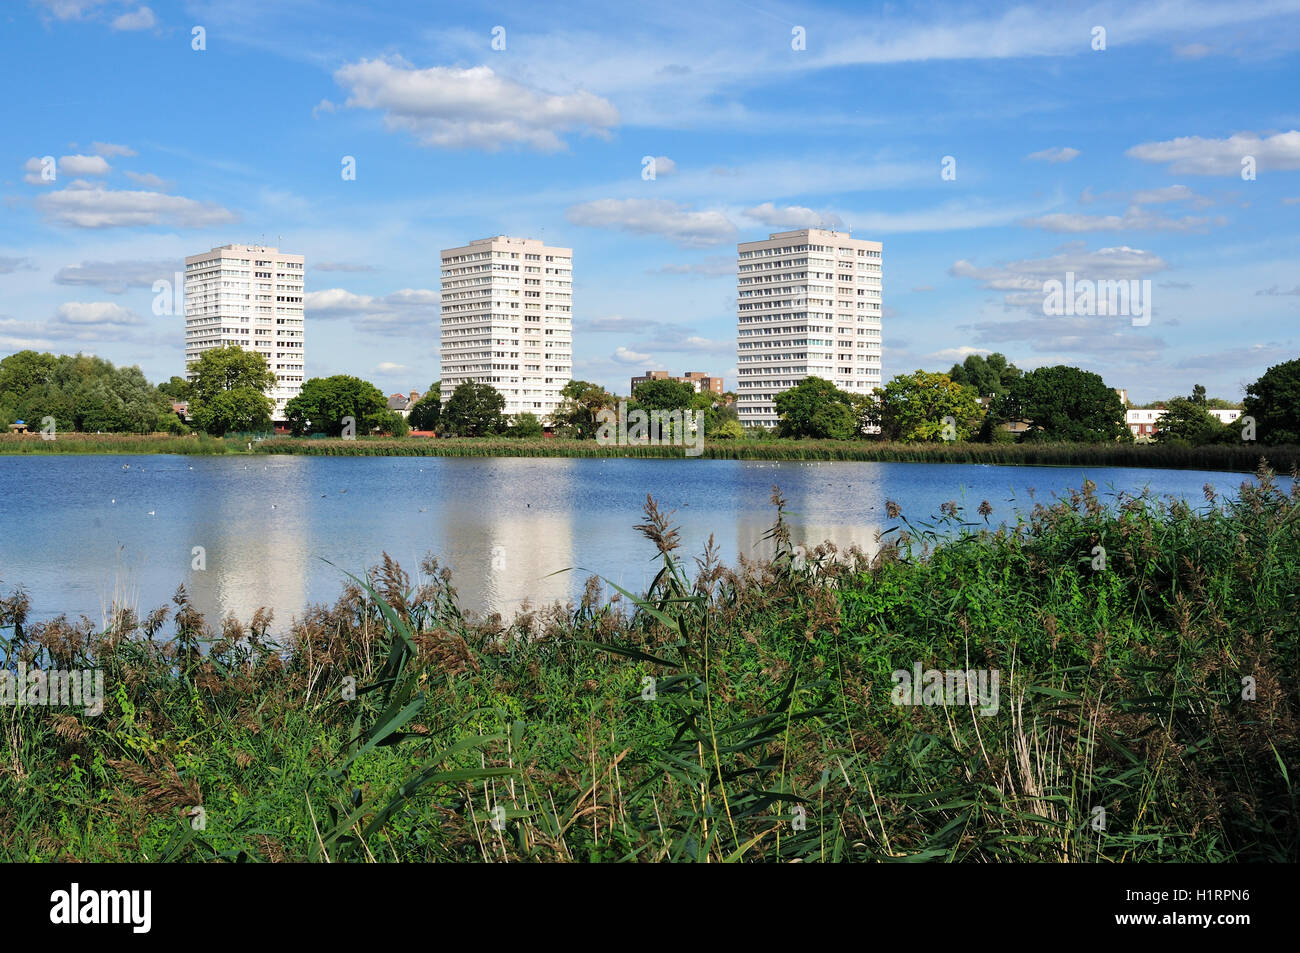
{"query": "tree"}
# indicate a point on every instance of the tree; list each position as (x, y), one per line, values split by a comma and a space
(228, 390)
(1064, 404)
(177, 389)
(239, 409)
(474, 410)
(816, 408)
(1274, 402)
(583, 400)
(325, 401)
(81, 392)
(525, 425)
(1186, 419)
(228, 368)
(987, 376)
(393, 424)
(427, 411)
(913, 407)
(665, 395)
(728, 430)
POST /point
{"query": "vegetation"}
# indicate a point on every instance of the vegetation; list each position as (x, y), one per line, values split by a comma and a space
(426, 413)
(227, 393)
(817, 409)
(1274, 402)
(326, 401)
(990, 376)
(81, 393)
(1064, 404)
(582, 404)
(927, 407)
(474, 410)
(525, 425)
(746, 714)
(1186, 420)
(1241, 457)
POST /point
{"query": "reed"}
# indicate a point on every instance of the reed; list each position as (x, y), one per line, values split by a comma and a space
(1243, 458)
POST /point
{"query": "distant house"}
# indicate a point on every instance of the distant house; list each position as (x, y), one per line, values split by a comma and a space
(402, 403)
(1144, 422)
(702, 382)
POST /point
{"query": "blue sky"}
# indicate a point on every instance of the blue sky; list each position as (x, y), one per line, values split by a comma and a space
(1122, 162)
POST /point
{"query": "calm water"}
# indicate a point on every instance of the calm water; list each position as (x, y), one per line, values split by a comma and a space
(80, 531)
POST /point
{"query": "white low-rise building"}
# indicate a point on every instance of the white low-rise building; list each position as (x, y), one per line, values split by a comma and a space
(1144, 422)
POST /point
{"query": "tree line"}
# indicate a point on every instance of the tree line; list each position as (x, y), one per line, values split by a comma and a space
(977, 399)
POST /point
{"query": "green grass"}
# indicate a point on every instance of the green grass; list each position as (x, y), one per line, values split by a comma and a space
(770, 736)
(1242, 458)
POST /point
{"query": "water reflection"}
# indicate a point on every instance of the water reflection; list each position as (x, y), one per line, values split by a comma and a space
(85, 531)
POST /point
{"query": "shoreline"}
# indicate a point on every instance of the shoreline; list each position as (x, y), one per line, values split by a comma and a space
(1217, 458)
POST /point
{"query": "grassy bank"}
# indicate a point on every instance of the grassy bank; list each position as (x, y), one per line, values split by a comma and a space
(727, 714)
(1242, 458)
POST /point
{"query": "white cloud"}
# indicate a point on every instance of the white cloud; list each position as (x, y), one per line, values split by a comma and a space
(957, 354)
(1192, 155)
(1135, 218)
(83, 165)
(97, 207)
(322, 107)
(70, 9)
(1193, 51)
(625, 356)
(141, 19)
(116, 277)
(664, 167)
(388, 367)
(471, 108)
(110, 149)
(36, 169)
(793, 216)
(95, 313)
(1170, 193)
(1054, 155)
(9, 265)
(1021, 285)
(149, 181)
(678, 223)
(408, 312)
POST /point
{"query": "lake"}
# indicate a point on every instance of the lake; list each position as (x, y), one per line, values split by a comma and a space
(83, 531)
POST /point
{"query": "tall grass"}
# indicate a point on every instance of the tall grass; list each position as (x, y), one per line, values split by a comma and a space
(116, 443)
(1242, 458)
(725, 714)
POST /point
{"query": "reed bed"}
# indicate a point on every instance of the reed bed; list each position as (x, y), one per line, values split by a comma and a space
(15, 444)
(1242, 458)
(1148, 708)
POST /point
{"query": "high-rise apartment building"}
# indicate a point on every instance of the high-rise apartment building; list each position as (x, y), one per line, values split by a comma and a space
(809, 305)
(248, 295)
(507, 320)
